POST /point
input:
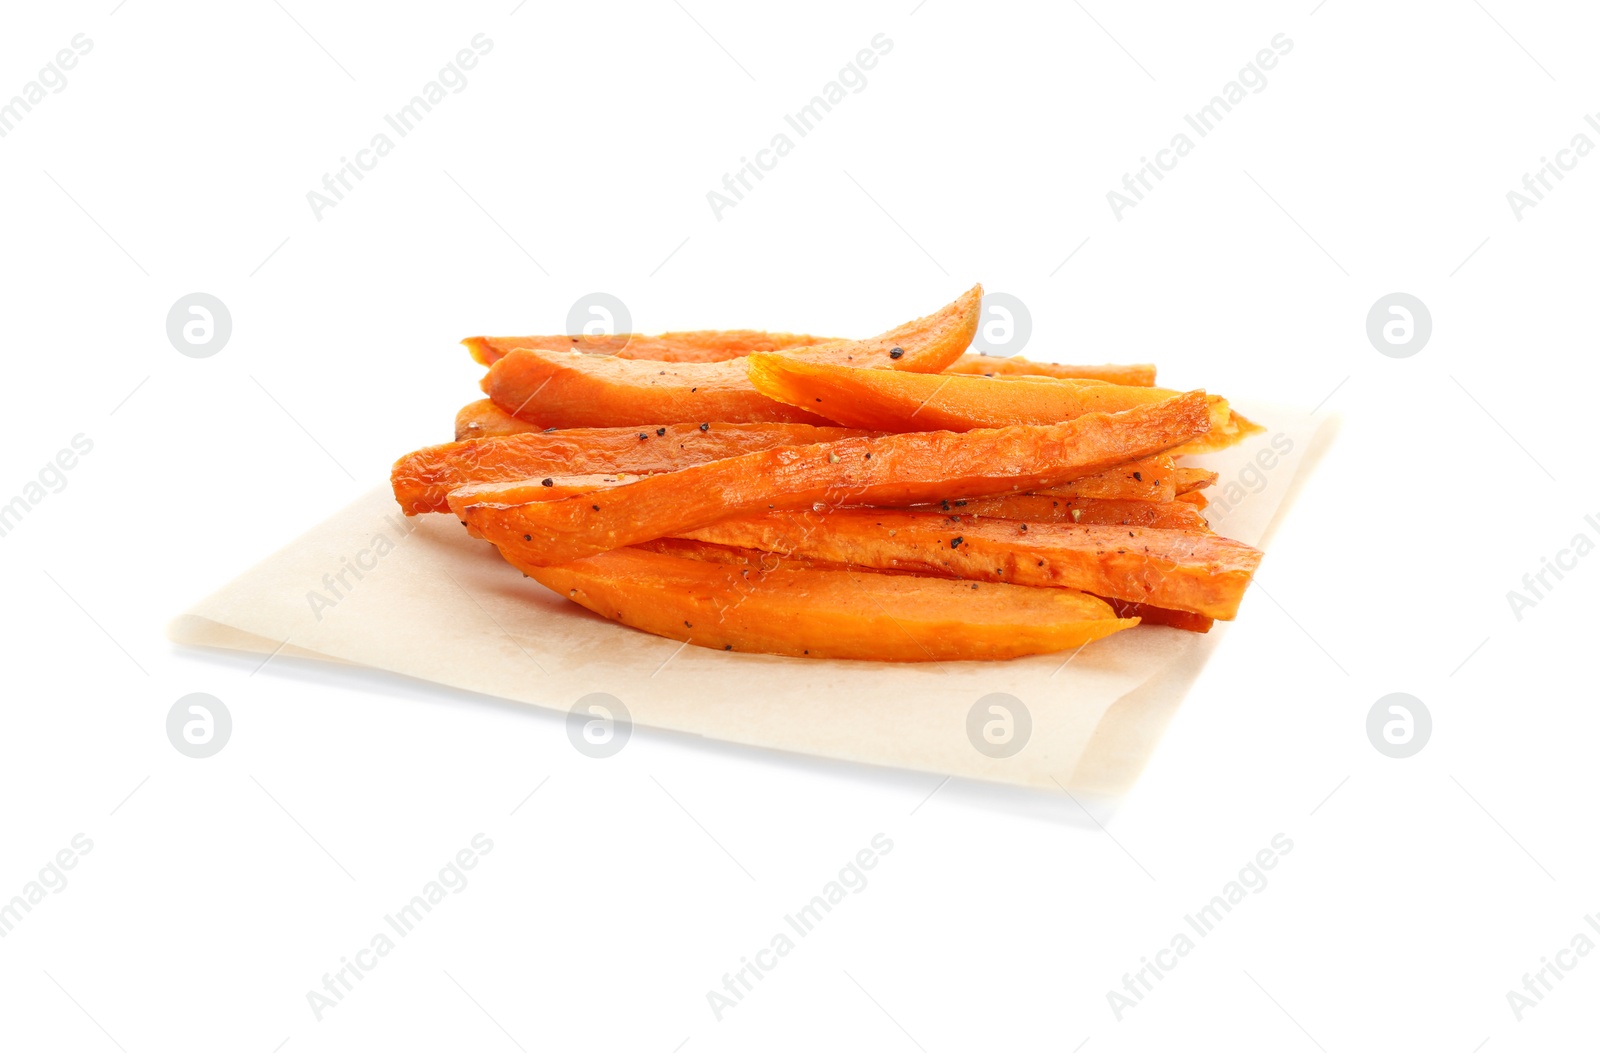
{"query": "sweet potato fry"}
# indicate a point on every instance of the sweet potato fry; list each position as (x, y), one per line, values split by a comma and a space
(1031, 508)
(522, 491)
(423, 480)
(986, 366)
(1147, 479)
(1188, 480)
(1148, 615)
(1182, 570)
(922, 345)
(703, 345)
(1043, 508)
(481, 419)
(821, 613)
(562, 390)
(1231, 431)
(753, 559)
(897, 401)
(1051, 506)
(558, 389)
(1170, 515)
(887, 470)
(756, 559)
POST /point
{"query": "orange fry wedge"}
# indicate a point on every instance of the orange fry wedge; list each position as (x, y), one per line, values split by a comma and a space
(886, 470)
(1170, 515)
(1225, 433)
(703, 345)
(481, 419)
(1182, 570)
(893, 401)
(1151, 479)
(1044, 508)
(987, 366)
(523, 491)
(1189, 480)
(423, 480)
(1148, 615)
(559, 389)
(565, 390)
(756, 559)
(1147, 479)
(808, 612)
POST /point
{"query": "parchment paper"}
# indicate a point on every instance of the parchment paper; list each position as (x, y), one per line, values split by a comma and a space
(419, 597)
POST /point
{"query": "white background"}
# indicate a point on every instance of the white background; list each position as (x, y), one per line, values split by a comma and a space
(1377, 159)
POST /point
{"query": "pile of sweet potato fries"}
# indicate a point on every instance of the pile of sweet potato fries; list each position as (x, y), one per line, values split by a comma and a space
(891, 499)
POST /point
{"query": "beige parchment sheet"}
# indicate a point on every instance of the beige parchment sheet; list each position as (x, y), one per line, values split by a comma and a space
(432, 603)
